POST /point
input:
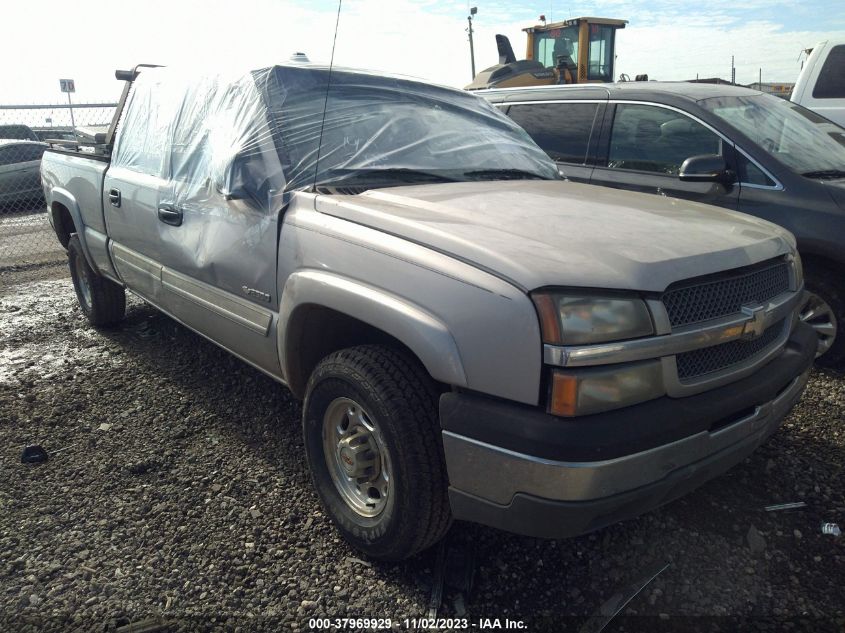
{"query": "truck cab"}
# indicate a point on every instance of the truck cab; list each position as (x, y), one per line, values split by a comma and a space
(821, 84)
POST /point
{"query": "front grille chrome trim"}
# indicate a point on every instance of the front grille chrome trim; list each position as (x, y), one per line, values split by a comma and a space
(708, 361)
(677, 389)
(682, 340)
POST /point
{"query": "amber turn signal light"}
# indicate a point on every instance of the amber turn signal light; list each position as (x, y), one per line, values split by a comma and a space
(564, 399)
(549, 318)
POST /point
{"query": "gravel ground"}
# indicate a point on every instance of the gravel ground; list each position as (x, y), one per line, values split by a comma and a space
(181, 494)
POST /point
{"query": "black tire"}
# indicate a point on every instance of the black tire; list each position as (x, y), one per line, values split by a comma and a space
(823, 283)
(402, 402)
(102, 301)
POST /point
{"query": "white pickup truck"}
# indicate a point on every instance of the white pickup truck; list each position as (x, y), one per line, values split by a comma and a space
(821, 83)
(473, 337)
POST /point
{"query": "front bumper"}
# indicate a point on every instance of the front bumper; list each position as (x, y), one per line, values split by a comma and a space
(524, 471)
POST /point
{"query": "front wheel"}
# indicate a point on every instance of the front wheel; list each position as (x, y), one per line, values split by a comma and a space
(373, 445)
(823, 311)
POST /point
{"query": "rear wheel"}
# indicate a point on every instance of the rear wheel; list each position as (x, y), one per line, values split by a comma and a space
(373, 445)
(102, 301)
(824, 311)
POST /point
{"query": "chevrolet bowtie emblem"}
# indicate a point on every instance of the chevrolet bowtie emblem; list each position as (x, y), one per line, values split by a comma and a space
(756, 324)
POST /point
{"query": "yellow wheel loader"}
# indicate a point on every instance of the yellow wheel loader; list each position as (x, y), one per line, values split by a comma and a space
(580, 50)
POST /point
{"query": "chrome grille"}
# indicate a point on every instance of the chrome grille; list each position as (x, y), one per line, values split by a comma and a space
(707, 360)
(725, 294)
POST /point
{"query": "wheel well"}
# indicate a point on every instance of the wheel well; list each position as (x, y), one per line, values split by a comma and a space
(315, 331)
(62, 223)
(812, 261)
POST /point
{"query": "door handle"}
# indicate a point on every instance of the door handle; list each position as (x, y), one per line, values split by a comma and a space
(170, 215)
(114, 197)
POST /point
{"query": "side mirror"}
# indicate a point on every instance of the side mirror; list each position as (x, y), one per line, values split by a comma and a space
(234, 192)
(236, 182)
(706, 168)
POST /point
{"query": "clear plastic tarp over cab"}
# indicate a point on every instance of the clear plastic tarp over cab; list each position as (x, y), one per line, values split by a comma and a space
(263, 133)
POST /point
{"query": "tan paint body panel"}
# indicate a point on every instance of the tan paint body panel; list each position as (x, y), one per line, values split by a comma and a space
(555, 233)
(235, 323)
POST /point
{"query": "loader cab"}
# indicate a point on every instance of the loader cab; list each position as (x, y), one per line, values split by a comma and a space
(588, 43)
(576, 51)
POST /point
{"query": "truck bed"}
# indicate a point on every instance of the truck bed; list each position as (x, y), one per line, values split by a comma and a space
(73, 182)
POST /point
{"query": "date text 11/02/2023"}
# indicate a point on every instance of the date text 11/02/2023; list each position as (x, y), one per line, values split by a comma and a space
(416, 623)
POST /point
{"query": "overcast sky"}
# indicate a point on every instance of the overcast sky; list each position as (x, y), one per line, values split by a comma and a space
(87, 39)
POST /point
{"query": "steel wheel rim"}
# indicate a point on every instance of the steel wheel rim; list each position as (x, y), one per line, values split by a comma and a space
(357, 457)
(818, 314)
(82, 282)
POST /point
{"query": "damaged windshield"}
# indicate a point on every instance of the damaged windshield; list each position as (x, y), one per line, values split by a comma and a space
(383, 131)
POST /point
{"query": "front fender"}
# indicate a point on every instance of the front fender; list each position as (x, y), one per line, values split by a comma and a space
(425, 335)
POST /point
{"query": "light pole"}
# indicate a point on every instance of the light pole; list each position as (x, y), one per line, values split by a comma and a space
(472, 12)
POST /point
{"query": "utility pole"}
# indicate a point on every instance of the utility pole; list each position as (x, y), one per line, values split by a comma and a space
(68, 86)
(472, 12)
(760, 79)
(733, 71)
(70, 105)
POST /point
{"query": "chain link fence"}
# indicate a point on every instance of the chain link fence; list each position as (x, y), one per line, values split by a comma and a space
(26, 238)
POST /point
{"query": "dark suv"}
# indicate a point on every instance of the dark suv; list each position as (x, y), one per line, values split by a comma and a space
(724, 145)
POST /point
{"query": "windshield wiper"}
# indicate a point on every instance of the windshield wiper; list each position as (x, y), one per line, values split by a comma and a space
(387, 174)
(825, 173)
(503, 174)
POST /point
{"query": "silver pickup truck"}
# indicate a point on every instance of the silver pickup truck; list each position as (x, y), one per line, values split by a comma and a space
(473, 337)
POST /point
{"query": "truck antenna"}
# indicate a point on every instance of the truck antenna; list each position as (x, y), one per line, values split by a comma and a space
(326, 100)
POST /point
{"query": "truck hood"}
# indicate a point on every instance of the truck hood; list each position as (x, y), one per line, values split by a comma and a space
(557, 233)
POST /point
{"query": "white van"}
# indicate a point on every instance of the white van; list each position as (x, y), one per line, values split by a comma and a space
(821, 84)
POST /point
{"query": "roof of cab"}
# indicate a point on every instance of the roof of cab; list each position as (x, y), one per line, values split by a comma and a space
(693, 91)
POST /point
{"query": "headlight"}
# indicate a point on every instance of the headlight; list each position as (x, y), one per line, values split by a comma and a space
(574, 319)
